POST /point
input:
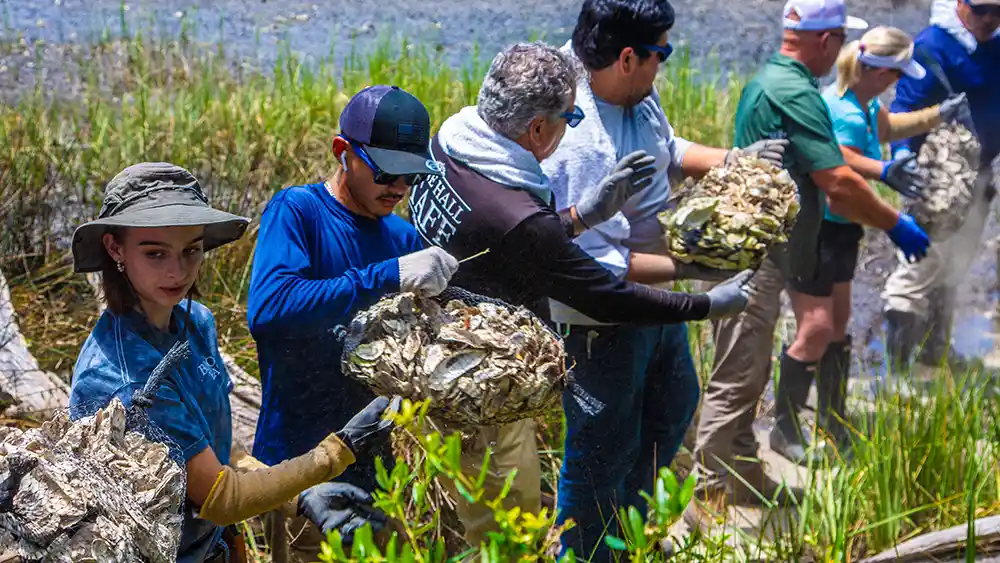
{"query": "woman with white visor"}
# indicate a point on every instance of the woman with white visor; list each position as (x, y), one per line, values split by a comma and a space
(865, 70)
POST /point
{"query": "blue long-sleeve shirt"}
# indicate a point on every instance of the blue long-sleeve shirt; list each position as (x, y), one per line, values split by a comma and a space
(976, 73)
(316, 265)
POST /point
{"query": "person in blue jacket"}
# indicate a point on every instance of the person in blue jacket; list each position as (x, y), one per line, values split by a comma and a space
(325, 252)
(149, 243)
(920, 297)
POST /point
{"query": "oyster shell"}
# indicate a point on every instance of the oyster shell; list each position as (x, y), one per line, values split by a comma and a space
(481, 365)
(97, 492)
(950, 160)
(731, 217)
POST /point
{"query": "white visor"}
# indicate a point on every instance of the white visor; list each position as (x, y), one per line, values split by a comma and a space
(910, 67)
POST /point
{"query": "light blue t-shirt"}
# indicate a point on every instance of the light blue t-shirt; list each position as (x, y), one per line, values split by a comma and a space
(854, 126)
(191, 405)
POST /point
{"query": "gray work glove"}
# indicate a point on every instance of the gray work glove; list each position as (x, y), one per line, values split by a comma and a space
(771, 150)
(956, 108)
(342, 507)
(426, 272)
(632, 174)
(729, 297)
(904, 176)
(367, 431)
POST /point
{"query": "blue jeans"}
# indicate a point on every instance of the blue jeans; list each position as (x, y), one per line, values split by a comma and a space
(635, 392)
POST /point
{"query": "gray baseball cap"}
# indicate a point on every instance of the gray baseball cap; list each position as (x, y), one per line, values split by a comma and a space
(153, 194)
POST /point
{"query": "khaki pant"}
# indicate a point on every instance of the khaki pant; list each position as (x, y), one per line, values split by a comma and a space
(948, 261)
(513, 448)
(743, 346)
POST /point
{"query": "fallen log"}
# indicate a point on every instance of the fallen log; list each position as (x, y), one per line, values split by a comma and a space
(947, 545)
(25, 389)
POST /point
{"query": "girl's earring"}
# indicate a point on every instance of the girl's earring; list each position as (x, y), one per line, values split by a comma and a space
(121, 267)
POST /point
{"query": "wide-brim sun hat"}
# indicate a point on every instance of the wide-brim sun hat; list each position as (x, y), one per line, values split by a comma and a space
(150, 195)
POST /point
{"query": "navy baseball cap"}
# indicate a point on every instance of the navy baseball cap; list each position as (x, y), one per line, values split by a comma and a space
(393, 127)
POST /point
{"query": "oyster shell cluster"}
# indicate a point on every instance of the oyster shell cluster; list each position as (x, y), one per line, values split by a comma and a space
(731, 217)
(950, 160)
(480, 365)
(94, 492)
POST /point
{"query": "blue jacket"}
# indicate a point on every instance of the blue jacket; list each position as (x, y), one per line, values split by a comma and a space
(976, 73)
(191, 406)
(316, 265)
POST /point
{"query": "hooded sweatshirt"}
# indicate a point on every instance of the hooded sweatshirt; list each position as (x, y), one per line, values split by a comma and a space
(493, 195)
(970, 66)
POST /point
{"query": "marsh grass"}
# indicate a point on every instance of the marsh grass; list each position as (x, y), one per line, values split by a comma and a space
(247, 133)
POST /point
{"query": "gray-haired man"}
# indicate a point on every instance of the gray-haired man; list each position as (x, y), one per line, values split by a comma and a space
(493, 195)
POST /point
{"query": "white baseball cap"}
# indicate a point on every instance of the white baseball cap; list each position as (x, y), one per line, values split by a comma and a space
(819, 15)
(910, 67)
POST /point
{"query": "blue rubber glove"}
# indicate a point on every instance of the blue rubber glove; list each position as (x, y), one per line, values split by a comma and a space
(910, 238)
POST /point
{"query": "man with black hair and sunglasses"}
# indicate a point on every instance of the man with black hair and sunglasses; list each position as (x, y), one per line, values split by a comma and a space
(324, 252)
(643, 377)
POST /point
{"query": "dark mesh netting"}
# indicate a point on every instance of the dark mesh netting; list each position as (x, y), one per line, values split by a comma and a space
(480, 360)
(97, 481)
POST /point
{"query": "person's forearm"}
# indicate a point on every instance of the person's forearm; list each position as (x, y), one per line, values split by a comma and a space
(851, 197)
(650, 269)
(867, 167)
(699, 159)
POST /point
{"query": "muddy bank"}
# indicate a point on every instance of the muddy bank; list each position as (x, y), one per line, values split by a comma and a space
(742, 33)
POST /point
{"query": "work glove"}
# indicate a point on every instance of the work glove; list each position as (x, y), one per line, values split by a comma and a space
(426, 272)
(632, 174)
(367, 431)
(903, 175)
(956, 108)
(910, 238)
(771, 150)
(729, 297)
(342, 507)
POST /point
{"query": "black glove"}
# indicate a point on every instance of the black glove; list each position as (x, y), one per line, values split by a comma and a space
(18, 465)
(342, 507)
(903, 176)
(368, 431)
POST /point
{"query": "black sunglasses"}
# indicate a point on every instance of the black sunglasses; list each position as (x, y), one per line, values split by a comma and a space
(378, 175)
(662, 52)
(984, 10)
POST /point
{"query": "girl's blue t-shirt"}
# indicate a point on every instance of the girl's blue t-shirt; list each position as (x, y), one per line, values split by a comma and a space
(853, 126)
(191, 405)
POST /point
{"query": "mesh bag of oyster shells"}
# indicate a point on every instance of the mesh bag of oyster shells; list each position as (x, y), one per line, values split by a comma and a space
(481, 361)
(950, 160)
(732, 216)
(94, 483)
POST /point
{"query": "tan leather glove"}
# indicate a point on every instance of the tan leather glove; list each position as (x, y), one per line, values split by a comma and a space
(243, 462)
(254, 488)
(913, 123)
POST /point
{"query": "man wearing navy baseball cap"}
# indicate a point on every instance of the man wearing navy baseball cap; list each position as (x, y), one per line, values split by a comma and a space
(783, 101)
(324, 252)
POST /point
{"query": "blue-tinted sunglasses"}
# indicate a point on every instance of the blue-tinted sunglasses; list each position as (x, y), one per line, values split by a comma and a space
(662, 52)
(983, 11)
(573, 118)
(378, 175)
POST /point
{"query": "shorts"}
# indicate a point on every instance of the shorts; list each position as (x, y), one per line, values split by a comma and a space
(839, 244)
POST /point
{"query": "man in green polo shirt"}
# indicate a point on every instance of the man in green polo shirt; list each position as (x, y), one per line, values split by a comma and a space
(783, 101)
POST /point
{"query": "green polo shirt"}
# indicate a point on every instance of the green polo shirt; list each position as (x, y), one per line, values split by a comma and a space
(784, 101)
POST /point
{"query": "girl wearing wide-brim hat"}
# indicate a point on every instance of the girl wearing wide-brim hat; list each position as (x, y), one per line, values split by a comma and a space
(822, 348)
(149, 243)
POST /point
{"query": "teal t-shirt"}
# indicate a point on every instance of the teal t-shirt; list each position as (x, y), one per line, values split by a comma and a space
(853, 126)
